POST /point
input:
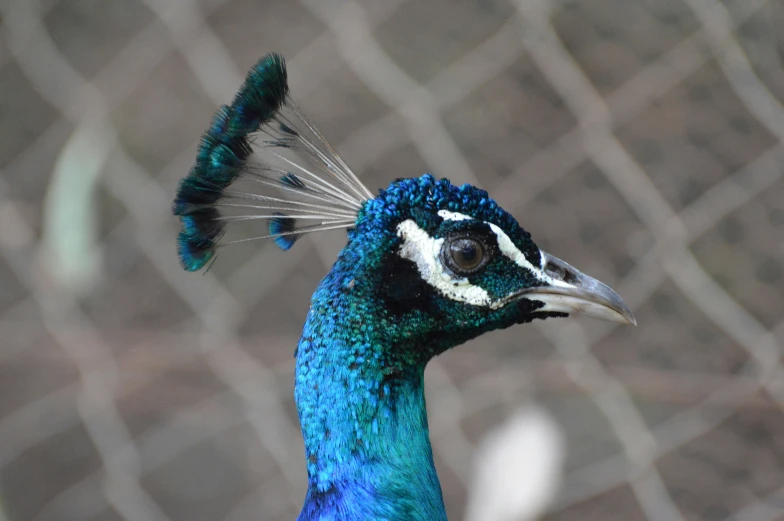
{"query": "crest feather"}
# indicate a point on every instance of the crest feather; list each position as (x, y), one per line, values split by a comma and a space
(231, 176)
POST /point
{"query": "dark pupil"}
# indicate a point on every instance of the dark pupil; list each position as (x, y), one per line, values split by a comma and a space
(466, 253)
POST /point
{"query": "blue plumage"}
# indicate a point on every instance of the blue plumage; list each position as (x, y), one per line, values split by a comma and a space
(428, 266)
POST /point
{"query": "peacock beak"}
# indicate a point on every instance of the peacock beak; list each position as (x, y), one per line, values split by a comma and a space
(575, 292)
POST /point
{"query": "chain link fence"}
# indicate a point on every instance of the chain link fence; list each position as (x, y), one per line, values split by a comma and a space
(639, 140)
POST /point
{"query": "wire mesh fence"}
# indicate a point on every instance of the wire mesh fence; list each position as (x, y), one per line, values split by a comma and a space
(640, 140)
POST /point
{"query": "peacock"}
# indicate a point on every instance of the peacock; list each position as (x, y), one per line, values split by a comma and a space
(428, 265)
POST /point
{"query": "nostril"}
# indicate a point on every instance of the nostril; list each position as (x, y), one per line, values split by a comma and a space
(561, 273)
(555, 271)
(570, 277)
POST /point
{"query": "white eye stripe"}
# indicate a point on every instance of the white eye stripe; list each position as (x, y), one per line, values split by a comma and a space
(453, 216)
(508, 248)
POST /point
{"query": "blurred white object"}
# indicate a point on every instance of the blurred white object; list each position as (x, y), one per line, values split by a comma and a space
(70, 246)
(518, 468)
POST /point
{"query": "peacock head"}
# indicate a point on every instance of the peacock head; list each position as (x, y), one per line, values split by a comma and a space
(445, 263)
(433, 263)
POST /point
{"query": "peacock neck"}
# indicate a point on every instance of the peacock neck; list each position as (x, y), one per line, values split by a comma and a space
(362, 415)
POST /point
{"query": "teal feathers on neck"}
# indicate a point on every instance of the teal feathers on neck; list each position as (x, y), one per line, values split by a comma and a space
(427, 266)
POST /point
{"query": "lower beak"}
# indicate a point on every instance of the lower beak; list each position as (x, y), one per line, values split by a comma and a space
(575, 292)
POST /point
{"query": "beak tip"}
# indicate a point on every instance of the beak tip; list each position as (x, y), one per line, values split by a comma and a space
(583, 294)
(623, 310)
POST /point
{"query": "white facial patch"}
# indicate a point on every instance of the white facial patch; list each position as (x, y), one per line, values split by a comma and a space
(424, 251)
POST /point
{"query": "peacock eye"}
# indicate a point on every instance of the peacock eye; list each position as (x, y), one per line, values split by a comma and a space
(464, 255)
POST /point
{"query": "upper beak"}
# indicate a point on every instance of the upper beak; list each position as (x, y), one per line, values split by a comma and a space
(576, 292)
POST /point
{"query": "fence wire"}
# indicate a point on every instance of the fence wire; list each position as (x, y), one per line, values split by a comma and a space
(640, 140)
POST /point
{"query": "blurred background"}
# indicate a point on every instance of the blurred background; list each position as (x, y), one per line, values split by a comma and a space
(640, 140)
